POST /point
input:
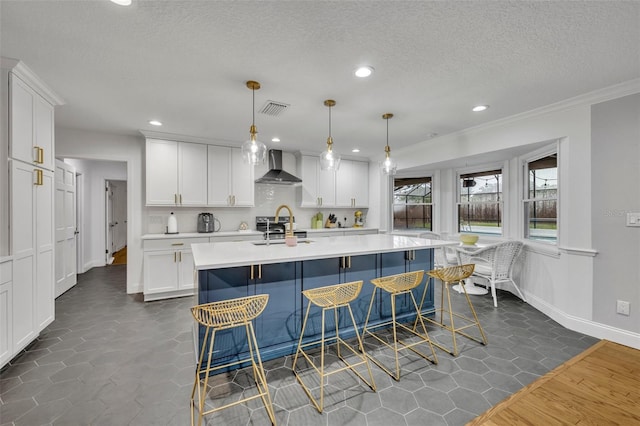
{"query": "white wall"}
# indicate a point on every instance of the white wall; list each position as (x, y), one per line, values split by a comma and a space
(557, 280)
(615, 183)
(79, 144)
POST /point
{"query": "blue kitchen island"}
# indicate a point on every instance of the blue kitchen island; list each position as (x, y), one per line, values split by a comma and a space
(228, 270)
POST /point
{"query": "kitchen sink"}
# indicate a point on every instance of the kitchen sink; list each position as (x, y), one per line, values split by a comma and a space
(279, 241)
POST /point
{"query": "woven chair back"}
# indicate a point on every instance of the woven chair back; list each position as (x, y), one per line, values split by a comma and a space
(334, 295)
(230, 312)
(400, 282)
(453, 274)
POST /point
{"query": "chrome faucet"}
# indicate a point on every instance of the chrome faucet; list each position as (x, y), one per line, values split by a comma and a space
(284, 206)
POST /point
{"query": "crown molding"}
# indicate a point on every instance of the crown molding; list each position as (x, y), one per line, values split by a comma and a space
(25, 73)
(151, 134)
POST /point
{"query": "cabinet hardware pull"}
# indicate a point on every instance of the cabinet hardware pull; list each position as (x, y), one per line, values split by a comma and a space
(175, 256)
(320, 200)
(177, 244)
(38, 177)
(175, 198)
(349, 264)
(234, 200)
(39, 155)
(180, 256)
(260, 271)
(251, 272)
(180, 198)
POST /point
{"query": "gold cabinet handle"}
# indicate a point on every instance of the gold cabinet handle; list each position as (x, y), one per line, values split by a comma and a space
(38, 177)
(260, 271)
(175, 198)
(342, 262)
(175, 256)
(251, 272)
(349, 262)
(180, 256)
(39, 155)
(177, 244)
(180, 198)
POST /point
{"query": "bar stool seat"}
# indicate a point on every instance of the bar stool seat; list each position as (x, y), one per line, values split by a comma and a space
(331, 298)
(396, 285)
(448, 276)
(224, 315)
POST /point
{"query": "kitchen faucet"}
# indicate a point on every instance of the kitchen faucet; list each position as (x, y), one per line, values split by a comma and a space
(284, 206)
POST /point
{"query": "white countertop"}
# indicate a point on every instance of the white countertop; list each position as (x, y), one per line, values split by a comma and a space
(231, 254)
(336, 229)
(199, 234)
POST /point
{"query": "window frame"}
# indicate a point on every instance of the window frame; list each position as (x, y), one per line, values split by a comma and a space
(503, 166)
(431, 204)
(538, 154)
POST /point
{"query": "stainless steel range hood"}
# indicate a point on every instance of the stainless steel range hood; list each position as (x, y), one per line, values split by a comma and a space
(276, 175)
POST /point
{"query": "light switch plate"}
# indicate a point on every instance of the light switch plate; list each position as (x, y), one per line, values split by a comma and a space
(633, 219)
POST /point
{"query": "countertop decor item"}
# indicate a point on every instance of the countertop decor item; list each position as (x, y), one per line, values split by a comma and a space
(469, 239)
(244, 226)
(172, 224)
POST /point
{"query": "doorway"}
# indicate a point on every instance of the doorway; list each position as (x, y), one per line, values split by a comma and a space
(116, 221)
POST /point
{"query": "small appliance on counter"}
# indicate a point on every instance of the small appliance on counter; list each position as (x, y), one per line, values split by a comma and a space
(208, 223)
(172, 225)
(276, 230)
(358, 221)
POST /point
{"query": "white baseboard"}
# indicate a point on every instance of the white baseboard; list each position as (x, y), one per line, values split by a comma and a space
(581, 325)
(135, 288)
(92, 264)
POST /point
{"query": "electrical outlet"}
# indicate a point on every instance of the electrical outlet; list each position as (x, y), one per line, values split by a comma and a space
(622, 307)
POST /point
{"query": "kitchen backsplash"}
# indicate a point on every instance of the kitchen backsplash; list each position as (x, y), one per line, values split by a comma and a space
(267, 200)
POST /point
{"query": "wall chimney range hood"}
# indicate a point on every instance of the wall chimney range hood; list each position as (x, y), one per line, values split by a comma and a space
(276, 175)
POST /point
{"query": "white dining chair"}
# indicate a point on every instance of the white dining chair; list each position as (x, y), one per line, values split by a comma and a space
(494, 263)
(441, 256)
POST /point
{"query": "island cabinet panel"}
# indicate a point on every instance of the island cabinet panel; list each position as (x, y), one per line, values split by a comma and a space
(279, 324)
(325, 272)
(222, 284)
(401, 262)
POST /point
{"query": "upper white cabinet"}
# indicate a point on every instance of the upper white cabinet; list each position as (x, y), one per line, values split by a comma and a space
(31, 125)
(352, 184)
(230, 181)
(176, 173)
(318, 186)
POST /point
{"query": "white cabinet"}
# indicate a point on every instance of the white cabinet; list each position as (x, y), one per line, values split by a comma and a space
(176, 173)
(6, 312)
(352, 184)
(230, 181)
(318, 186)
(169, 267)
(31, 125)
(32, 246)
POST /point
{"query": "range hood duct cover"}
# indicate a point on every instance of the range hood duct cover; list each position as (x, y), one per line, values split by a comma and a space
(276, 175)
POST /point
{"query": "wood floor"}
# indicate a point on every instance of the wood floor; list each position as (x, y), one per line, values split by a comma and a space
(120, 257)
(601, 386)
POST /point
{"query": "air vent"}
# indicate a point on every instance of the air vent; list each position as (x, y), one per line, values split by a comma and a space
(273, 108)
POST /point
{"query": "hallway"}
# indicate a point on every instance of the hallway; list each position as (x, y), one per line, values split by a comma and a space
(111, 359)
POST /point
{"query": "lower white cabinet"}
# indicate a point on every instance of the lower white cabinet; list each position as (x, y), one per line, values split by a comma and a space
(169, 268)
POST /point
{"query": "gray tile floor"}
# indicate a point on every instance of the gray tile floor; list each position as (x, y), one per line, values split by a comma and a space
(111, 359)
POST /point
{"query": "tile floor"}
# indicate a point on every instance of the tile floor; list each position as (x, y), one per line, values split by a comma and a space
(111, 359)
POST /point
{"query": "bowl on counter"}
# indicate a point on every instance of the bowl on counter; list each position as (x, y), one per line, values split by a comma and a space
(469, 239)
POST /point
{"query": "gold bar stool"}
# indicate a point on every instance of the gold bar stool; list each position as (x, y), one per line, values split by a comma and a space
(397, 285)
(327, 298)
(219, 316)
(449, 276)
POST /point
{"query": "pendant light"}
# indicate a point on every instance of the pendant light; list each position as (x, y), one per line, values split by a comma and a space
(329, 160)
(253, 151)
(388, 165)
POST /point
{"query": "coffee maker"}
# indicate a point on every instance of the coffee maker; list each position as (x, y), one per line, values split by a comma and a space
(207, 223)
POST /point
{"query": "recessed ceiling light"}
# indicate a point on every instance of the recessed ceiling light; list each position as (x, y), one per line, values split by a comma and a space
(355, 150)
(155, 123)
(275, 139)
(122, 2)
(479, 108)
(365, 71)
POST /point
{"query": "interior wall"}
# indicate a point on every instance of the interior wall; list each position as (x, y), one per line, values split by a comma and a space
(4, 165)
(558, 280)
(80, 144)
(93, 207)
(615, 144)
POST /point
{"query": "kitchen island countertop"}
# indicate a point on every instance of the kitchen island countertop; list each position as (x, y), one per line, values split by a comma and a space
(232, 254)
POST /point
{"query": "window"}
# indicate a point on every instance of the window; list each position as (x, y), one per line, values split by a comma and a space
(541, 199)
(412, 203)
(480, 202)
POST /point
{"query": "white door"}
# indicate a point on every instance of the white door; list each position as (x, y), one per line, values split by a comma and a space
(66, 227)
(108, 215)
(119, 214)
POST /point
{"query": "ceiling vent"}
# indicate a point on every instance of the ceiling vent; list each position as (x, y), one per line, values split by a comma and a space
(273, 108)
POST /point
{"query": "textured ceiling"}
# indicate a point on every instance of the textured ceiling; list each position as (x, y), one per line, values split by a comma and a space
(186, 63)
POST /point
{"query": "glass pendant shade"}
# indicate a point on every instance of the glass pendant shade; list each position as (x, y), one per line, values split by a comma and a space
(329, 160)
(388, 166)
(253, 151)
